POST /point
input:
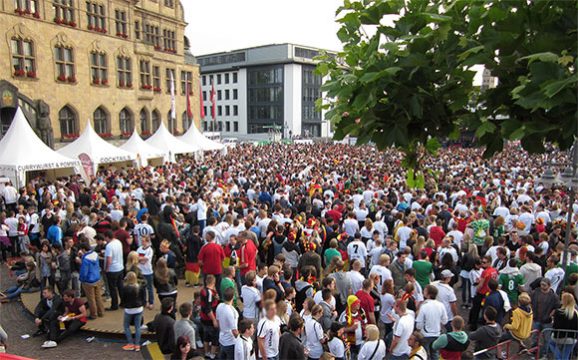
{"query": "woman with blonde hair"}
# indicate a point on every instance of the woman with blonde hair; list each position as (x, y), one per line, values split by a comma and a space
(419, 244)
(134, 299)
(367, 230)
(132, 262)
(565, 318)
(374, 347)
(165, 281)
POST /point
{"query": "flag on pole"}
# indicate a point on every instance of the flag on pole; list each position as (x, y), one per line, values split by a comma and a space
(202, 102)
(188, 88)
(173, 100)
(213, 102)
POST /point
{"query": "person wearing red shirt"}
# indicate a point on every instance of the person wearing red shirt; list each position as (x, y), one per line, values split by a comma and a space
(247, 254)
(366, 300)
(482, 289)
(437, 233)
(125, 238)
(335, 214)
(211, 258)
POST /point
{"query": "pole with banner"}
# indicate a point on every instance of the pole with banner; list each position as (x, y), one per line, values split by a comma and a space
(213, 105)
(189, 110)
(173, 104)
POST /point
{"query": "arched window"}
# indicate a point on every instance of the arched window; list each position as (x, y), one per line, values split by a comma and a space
(125, 122)
(186, 121)
(156, 120)
(144, 122)
(23, 58)
(100, 120)
(172, 123)
(68, 123)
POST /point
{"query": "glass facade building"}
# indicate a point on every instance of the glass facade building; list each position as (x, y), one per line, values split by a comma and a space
(265, 98)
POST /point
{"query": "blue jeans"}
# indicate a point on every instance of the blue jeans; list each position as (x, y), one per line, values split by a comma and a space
(398, 357)
(136, 320)
(150, 291)
(560, 351)
(14, 291)
(427, 342)
(546, 330)
(227, 352)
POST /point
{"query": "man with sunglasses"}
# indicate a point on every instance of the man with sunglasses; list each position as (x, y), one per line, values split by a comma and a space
(482, 289)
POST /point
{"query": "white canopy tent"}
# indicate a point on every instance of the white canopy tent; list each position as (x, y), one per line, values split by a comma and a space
(93, 151)
(194, 136)
(21, 150)
(145, 152)
(163, 140)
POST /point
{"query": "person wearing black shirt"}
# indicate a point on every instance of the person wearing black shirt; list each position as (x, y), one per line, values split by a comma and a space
(290, 346)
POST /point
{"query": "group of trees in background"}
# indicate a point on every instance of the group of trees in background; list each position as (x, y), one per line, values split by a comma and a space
(405, 77)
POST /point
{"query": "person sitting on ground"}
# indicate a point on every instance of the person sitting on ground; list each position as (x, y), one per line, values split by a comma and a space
(452, 344)
(26, 283)
(163, 325)
(50, 307)
(74, 317)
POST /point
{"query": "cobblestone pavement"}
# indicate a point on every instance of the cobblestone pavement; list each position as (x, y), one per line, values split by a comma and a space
(16, 321)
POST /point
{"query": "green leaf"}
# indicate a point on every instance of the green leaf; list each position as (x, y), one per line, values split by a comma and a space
(555, 87)
(474, 50)
(544, 57)
(485, 128)
(432, 145)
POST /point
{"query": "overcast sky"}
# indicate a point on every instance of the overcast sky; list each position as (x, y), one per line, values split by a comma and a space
(223, 25)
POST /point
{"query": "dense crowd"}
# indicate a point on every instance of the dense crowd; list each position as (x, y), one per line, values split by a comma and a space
(305, 251)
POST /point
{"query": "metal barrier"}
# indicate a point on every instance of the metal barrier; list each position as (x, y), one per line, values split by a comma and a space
(515, 349)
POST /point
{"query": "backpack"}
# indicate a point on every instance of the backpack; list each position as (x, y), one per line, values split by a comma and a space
(301, 296)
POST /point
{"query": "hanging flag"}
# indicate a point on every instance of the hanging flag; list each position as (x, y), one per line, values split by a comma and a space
(173, 100)
(202, 102)
(213, 102)
(188, 89)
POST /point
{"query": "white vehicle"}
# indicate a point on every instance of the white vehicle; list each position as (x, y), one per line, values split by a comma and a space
(230, 142)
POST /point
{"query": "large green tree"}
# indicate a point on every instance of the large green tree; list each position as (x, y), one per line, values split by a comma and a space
(405, 77)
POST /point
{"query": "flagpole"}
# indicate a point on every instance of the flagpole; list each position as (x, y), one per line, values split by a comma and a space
(173, 100)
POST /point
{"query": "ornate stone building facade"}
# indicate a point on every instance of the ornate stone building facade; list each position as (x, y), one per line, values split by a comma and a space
(66, 62)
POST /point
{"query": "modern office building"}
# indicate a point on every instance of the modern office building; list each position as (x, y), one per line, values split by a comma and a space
(263, 88)
(67, 61)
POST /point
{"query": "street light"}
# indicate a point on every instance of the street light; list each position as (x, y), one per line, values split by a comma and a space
(569, 179)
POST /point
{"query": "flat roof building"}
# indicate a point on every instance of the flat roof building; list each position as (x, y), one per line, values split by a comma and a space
(263, 88)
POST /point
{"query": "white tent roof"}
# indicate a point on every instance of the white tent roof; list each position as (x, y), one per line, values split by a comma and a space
(22, 150)
(98, 149)
(137, 145)
(194, 136)
(162, 139)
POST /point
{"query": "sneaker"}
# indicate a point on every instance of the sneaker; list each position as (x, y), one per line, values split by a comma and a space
(210, 356)
(49, 344)
(136, 348)
(128, 347)
(144, 328)
(146, 343)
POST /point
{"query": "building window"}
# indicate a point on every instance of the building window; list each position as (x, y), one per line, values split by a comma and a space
(169, 40)
(186, 121)
(26, 6)
(218, 79)
(125, 122)
(204, 80)
(186, 80)
(98, 68)
(145, 75)
(121, 24)
(64, 12)
(227, 110)
(227, 127)
(168, 82)
(68, 123)
(205, 110)
(170, 3)
(219, 95)
(235, 110)
(96, 17)
(227, 94)
(157, 78)
(23, 59)
(124, 71)
(137, 30)
(236, 126)
(226, 78)
(219, 110)
(100, 120)
(152, 36)
(204, 126)
(204, 96)
(65, 63)
(234, 78)
(235, 94)
(311, 91)
(156, 120)
(144, 121)
(264, 98)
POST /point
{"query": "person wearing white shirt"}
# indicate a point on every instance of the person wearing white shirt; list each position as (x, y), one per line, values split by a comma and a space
(382, 271)
(251, 297)
(244, 342)
(432, 316)
(143, 229)
(456, 235)
(374, 347)
(501, 211)
(446, 248)
(553, 272)
(356, 277)
(356, 250)
(402, 236)
(269, 332)
(350, 225)
(381, 227)
(402, 330)
(357, 199)
(227, 317)
(10, 195)
(145, 258)
(315, 338)
(113, 267)
(446, 294)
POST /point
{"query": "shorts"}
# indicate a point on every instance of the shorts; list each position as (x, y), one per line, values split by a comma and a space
(210, 334)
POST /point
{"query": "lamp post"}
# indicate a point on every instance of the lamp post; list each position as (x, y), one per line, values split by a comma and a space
(569, 180)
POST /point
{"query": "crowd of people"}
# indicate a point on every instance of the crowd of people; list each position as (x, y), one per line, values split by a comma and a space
(315, 251)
